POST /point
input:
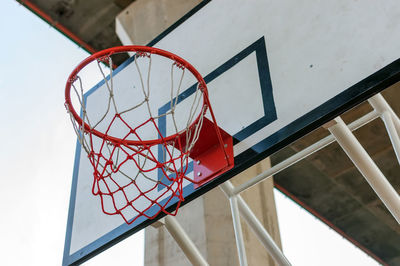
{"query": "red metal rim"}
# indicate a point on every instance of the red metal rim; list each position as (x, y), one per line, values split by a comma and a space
(124, 49)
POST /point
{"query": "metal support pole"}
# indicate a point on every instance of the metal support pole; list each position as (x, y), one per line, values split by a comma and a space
(237, 227)
(366, 166)
(390, 119)
(393, 134)
(184, 242)
(258, 229)
(380, 105)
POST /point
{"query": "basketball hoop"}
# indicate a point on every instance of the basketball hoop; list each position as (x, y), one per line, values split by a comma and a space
(141, 153)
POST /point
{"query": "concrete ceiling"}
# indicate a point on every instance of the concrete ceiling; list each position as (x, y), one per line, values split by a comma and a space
(326, 184)
(89, 23)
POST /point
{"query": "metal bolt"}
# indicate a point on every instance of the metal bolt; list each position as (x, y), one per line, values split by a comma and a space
(225, 145)
(198, 174)
(198, 162)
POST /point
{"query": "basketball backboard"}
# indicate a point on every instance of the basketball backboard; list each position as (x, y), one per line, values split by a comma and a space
(274, 70)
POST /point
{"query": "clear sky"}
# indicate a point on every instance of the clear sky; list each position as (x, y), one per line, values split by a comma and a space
(37, 155)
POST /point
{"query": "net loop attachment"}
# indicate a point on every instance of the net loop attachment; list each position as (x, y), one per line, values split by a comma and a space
(142, 54)
(179, 65)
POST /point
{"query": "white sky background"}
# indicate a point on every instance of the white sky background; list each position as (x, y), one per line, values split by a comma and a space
(36, 159)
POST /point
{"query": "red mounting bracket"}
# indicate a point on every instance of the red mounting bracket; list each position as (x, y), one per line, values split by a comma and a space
(211, 158)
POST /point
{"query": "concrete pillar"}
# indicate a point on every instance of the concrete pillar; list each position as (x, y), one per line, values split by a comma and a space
(207, 220)
(144, 20)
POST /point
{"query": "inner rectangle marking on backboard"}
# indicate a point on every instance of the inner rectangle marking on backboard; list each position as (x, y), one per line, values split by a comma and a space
(258, 90)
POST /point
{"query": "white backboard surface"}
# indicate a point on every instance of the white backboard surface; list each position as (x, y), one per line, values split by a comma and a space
(275, 70)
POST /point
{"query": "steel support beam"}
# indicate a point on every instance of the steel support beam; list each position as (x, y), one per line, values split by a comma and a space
(366, 166)
(237, 227)
(255, 225)
(391, 120)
